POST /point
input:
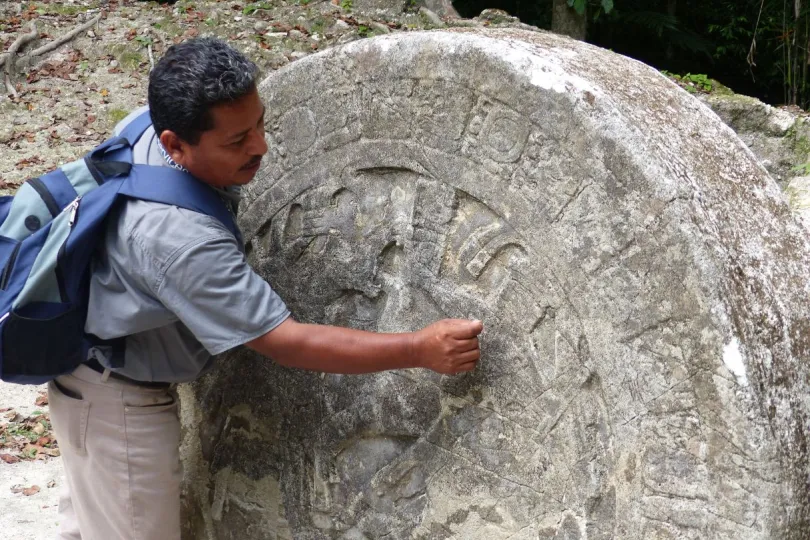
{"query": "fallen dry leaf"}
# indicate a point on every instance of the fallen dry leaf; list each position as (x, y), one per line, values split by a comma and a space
(33, 490)
(8, 458)
(104, 92)
(52, 483)
(42, 400)
(23, 163)
(6, 185)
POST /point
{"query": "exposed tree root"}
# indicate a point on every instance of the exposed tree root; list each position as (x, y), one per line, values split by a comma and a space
(12, 60)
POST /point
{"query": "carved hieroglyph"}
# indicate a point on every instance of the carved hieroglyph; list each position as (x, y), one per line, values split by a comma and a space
(643, 286)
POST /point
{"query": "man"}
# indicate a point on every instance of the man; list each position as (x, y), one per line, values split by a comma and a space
(177, 285)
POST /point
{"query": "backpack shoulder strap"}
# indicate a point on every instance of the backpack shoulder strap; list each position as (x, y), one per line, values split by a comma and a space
(119, 148)
(133, 131)
(170, 186)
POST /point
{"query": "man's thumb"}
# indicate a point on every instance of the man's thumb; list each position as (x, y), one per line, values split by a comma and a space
(468, 329)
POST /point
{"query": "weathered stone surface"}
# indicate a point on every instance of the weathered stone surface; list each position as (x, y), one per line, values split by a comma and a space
(443, 8)
(798, 194)
(778, 137)
(643, 284)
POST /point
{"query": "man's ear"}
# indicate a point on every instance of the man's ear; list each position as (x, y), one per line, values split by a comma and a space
(175, 146)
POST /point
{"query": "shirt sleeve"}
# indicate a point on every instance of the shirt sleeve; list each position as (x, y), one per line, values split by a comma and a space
(214, 292)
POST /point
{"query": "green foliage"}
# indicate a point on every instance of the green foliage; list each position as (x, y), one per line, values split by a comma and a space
(58, 8)
(698, 80)
(693, 82)
(252, 8)
(144, 40)
(364, 31)
(346, 4)
(801, 170)
(579, 6)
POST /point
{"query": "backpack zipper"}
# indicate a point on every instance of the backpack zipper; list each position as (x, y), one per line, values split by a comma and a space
(7, 270)
(73, 208)
(46, 196)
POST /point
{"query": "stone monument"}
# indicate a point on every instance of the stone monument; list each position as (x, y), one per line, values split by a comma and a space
(643, 286)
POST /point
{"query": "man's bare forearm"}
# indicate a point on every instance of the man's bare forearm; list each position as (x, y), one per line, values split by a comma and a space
(449, 346)
(334, 349)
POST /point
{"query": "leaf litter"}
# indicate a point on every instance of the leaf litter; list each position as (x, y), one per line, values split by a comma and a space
(27, 438)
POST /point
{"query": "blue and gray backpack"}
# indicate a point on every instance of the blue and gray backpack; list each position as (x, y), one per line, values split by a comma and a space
(49, 232)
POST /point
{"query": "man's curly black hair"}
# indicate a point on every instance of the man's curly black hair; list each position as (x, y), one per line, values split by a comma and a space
(192, 77)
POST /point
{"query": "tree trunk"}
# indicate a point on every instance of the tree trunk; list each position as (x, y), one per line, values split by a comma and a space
(795, 65)
(672, 9)
(564, 20)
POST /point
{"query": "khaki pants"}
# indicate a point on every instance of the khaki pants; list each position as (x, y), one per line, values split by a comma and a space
(119, 444)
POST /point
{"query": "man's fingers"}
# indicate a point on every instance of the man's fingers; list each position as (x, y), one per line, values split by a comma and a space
(463, 368)
(463, 329)
(464, 345)
(469, 356)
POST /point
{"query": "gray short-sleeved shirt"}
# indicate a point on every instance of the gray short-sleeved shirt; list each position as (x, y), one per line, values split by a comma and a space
(177, 284)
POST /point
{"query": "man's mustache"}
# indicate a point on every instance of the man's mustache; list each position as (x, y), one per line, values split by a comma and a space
(253, 162)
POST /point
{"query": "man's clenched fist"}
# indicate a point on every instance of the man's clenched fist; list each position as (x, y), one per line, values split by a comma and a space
(449, 346)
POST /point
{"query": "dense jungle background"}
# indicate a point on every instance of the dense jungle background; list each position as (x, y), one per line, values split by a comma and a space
(755, 47)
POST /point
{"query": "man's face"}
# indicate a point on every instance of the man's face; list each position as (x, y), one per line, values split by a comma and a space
(230, 153)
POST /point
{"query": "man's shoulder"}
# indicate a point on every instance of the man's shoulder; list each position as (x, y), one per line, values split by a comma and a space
(163, 230)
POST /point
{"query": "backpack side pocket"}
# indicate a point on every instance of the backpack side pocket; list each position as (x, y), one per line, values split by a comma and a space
(42, 339)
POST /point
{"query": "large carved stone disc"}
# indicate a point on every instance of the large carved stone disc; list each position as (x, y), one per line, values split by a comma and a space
(643, 286)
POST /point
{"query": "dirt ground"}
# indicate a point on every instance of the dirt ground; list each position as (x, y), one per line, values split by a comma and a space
(27, 517)
(68, 99)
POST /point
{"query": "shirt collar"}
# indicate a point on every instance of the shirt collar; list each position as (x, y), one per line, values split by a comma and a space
(168, 159)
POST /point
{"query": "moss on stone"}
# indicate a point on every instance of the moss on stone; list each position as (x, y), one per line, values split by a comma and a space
(719, 88)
